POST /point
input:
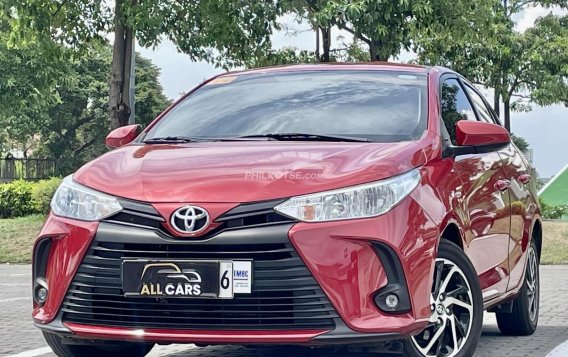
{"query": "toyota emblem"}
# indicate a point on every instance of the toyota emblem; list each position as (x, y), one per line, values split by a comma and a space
(190, 219)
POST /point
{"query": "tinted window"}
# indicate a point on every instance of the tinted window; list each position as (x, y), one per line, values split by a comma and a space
(380, 105)
(480, 106)
(455, 106)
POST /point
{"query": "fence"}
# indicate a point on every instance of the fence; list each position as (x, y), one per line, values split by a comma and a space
(27, 169)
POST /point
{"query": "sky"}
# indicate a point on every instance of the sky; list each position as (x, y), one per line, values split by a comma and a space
(545, 128)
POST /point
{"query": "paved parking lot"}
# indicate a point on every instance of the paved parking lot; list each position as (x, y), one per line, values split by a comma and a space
(19, 337)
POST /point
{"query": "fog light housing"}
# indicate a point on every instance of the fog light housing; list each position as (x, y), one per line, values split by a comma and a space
(42, 249)
(392, 301)
(41, 294)
(40, 291)
(392, 298)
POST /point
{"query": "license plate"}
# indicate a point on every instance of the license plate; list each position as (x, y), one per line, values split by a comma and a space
(185, 278)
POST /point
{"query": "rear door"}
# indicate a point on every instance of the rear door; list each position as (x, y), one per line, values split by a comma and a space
(484, 200)
(523, 206)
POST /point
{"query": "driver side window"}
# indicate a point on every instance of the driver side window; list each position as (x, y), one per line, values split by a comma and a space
(455, 106)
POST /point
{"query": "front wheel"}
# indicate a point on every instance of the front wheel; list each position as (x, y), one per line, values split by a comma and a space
(108, 349)
(457, 308)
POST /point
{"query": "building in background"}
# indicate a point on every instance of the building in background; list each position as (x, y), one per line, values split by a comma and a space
(529, 155)
(555, 192)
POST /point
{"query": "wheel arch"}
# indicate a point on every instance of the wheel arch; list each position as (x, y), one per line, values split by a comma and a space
(453, 233)
(537, 236)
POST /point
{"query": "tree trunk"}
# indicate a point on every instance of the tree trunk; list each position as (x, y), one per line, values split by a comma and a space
(318, 43)
(496, 101)
(326, 42)
(507, 112)
(119, 92)
(376, 51)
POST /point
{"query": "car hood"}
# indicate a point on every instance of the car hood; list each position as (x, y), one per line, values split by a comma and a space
(243, 171)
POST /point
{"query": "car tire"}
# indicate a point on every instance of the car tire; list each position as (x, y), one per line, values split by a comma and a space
(457, 308)
(107, 348)
(523, 320)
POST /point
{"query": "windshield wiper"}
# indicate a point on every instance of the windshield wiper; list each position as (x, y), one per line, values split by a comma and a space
(170, 140)
(306, 137)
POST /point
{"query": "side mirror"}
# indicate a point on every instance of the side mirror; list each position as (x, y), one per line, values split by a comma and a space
(122, 136)
(475, 137)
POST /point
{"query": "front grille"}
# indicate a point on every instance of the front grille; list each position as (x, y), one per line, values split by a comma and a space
(248, 215)
(285, 294)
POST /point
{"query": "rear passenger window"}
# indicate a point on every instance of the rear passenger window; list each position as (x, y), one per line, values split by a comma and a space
(479, 104)
(455, 106)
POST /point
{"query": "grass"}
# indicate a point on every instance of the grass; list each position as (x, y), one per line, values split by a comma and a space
(18, 234)
(555, 243)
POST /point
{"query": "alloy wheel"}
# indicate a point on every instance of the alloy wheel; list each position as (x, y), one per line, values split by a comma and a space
(452, 313)
(532, 284)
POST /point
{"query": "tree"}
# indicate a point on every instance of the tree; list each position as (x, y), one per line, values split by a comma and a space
(526, 66)
(307, 10)
(223, 32)
(549, 60)
(74, 128)
(520, 142)
(150, 98)
(288, 55)
(27, 84)
(387, 27)
(71, 127)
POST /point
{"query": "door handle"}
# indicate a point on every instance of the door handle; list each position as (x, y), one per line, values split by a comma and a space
(524, 178)
(502, 185)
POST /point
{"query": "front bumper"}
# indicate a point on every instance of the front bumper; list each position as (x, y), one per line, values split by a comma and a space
(340, 335)
(322, 292)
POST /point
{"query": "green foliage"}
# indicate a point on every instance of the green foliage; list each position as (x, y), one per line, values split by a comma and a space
(42, 192)
(28, 76)
(72, 121)
(149, 94)
(16, 199)
(283, 56)
(21, 198)
(549, 59)
(387, 27)
(520, 142)
(552, 212)
(224, 32)
(523, 68)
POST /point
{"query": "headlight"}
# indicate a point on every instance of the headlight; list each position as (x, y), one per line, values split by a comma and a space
(72, 200)
(360, 201)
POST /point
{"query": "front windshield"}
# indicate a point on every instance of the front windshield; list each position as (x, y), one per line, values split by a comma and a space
(378, 105)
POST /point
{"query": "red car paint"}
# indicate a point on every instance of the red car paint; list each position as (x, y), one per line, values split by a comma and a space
(226, 171)
(189, 336)
(472, 133)
(69, 242)
(122, 136)
(339, 255)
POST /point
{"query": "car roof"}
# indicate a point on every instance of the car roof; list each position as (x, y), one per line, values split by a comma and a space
(355, 66)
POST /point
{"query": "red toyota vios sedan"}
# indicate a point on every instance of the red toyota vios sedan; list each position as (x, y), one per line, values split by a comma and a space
(311, 205)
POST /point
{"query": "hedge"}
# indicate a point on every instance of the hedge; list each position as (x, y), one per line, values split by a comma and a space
(21, 198)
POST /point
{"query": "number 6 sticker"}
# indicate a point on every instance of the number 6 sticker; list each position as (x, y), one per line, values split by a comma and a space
(226, 280)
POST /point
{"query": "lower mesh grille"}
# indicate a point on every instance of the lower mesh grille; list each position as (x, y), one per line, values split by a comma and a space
(285, 294)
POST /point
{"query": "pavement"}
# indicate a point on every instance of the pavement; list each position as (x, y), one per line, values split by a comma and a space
(19, 338)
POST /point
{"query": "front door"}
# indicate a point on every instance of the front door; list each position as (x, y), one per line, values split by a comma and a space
(484, 197)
